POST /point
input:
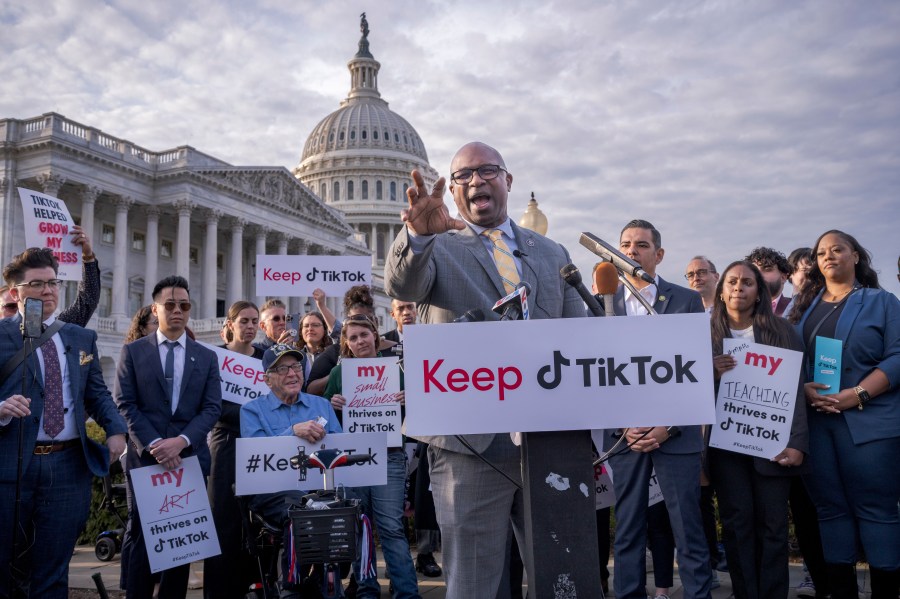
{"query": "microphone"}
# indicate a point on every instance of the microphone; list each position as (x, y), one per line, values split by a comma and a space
(519, 254)
(515, 305)
(474, 315)
(611, 254)
(606, 281)
(572, 276)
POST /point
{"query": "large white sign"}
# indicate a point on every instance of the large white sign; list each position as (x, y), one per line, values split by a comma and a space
(755, 406)
(370, 387)
(561, 374)
(176, 520)
(263, 464)
(47, 225)
(293, 276)
(242, 376)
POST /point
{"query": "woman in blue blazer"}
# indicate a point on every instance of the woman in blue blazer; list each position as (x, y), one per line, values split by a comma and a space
(854, 430)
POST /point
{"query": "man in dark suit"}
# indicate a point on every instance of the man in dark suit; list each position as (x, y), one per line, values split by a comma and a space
(674, 453)
(63, 387)
(448, 266)
(775, 270)
(403, 313)
(169, 392)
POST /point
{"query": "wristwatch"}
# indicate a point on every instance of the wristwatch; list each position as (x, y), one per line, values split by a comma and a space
(862, 396)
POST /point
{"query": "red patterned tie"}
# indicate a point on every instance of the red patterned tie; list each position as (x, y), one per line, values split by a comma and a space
(54, 417)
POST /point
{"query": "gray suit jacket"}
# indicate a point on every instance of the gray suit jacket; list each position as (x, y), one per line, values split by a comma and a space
(455, 273)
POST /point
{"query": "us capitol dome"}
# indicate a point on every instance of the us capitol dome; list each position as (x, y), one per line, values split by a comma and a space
(358, 159)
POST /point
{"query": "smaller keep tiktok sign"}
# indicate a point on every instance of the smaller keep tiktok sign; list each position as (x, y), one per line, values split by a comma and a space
(175, 516)
(371, 386)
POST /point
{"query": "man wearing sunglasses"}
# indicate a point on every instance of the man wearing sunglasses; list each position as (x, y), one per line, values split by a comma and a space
(63, 387)
(481, 256)
(169, 392)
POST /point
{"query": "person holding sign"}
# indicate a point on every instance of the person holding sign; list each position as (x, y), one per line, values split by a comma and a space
(46, 396)
(226, 575)
(753, 492)
(383, 504)
(170, 395)
(285, 411)
(848, 322)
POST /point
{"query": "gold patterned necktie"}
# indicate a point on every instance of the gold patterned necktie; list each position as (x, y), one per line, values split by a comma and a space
(503, 259)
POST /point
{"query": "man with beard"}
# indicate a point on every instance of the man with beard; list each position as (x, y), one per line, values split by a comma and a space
(775, 270)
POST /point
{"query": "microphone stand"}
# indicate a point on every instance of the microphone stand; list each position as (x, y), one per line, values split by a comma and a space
(635, 293)
(15, 574)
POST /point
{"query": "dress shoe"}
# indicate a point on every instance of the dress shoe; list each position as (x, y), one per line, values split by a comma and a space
(426, 565)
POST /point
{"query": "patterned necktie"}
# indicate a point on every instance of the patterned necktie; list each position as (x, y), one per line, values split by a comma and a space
(170, 369)
(503, 259)
(54, 414)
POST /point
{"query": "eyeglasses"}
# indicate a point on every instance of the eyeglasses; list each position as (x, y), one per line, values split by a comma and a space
(170, 306)
(39, 285)
(283, 369)
(10, 307)
(312, 325)
(485, 171)
(693, 274)
(277, 318)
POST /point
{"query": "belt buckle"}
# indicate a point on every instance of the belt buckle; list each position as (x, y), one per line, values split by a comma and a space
(43, 449)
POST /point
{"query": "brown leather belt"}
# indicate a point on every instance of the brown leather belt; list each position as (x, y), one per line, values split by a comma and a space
(48, 448)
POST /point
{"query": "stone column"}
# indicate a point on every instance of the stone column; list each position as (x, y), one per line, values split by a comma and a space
(88, 200)
(297, 304)
(183, 245)
(120, 260)
(210, 290)
(234, 284)
(283, 240)
(261, 233)
(151, 253)
(373, 244)
(51, 183)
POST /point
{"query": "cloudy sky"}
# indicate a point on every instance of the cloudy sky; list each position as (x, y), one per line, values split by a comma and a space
(728, 124)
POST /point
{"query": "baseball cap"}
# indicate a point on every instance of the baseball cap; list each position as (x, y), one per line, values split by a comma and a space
(278, 351)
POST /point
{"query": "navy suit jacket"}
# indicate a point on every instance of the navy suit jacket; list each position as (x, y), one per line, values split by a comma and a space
(869, 327)
(90, 394)
(670, 299)
(143, 400)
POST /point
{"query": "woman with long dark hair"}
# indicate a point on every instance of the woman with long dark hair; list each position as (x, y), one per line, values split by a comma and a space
(855, 429)
(314, 338)
(753, 492)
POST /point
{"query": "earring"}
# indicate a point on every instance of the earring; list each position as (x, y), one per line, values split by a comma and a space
(757, 300)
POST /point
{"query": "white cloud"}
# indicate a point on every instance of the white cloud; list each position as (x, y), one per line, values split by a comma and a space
(727, 124)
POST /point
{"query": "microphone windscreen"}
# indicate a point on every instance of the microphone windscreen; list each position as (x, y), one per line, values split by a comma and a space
(606, 278)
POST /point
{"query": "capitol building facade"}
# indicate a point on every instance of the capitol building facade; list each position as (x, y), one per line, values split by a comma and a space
(180, 211)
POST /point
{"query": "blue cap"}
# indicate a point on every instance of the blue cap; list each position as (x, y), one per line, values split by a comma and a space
(278, 351)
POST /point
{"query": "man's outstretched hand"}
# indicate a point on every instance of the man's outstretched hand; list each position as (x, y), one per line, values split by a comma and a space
(427, 214)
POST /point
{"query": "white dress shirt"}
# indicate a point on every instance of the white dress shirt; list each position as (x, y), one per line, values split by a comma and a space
(633, 306)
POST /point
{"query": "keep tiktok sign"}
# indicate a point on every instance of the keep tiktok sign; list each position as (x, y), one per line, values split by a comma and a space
(562, 374)
(294, 276)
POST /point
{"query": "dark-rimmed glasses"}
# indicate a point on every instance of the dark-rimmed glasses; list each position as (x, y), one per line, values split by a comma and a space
(39, 285)
(282, 370)
(485, 171)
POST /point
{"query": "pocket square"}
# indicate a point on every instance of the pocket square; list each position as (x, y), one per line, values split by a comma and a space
(85, 358)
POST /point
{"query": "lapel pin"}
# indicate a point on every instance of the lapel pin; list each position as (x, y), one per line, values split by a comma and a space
(529, 242)
(192, 358)
(662, 298)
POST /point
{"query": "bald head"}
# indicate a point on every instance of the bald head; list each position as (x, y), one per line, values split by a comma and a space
(480, 194)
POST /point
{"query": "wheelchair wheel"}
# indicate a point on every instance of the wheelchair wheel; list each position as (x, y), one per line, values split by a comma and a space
(105, 549)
